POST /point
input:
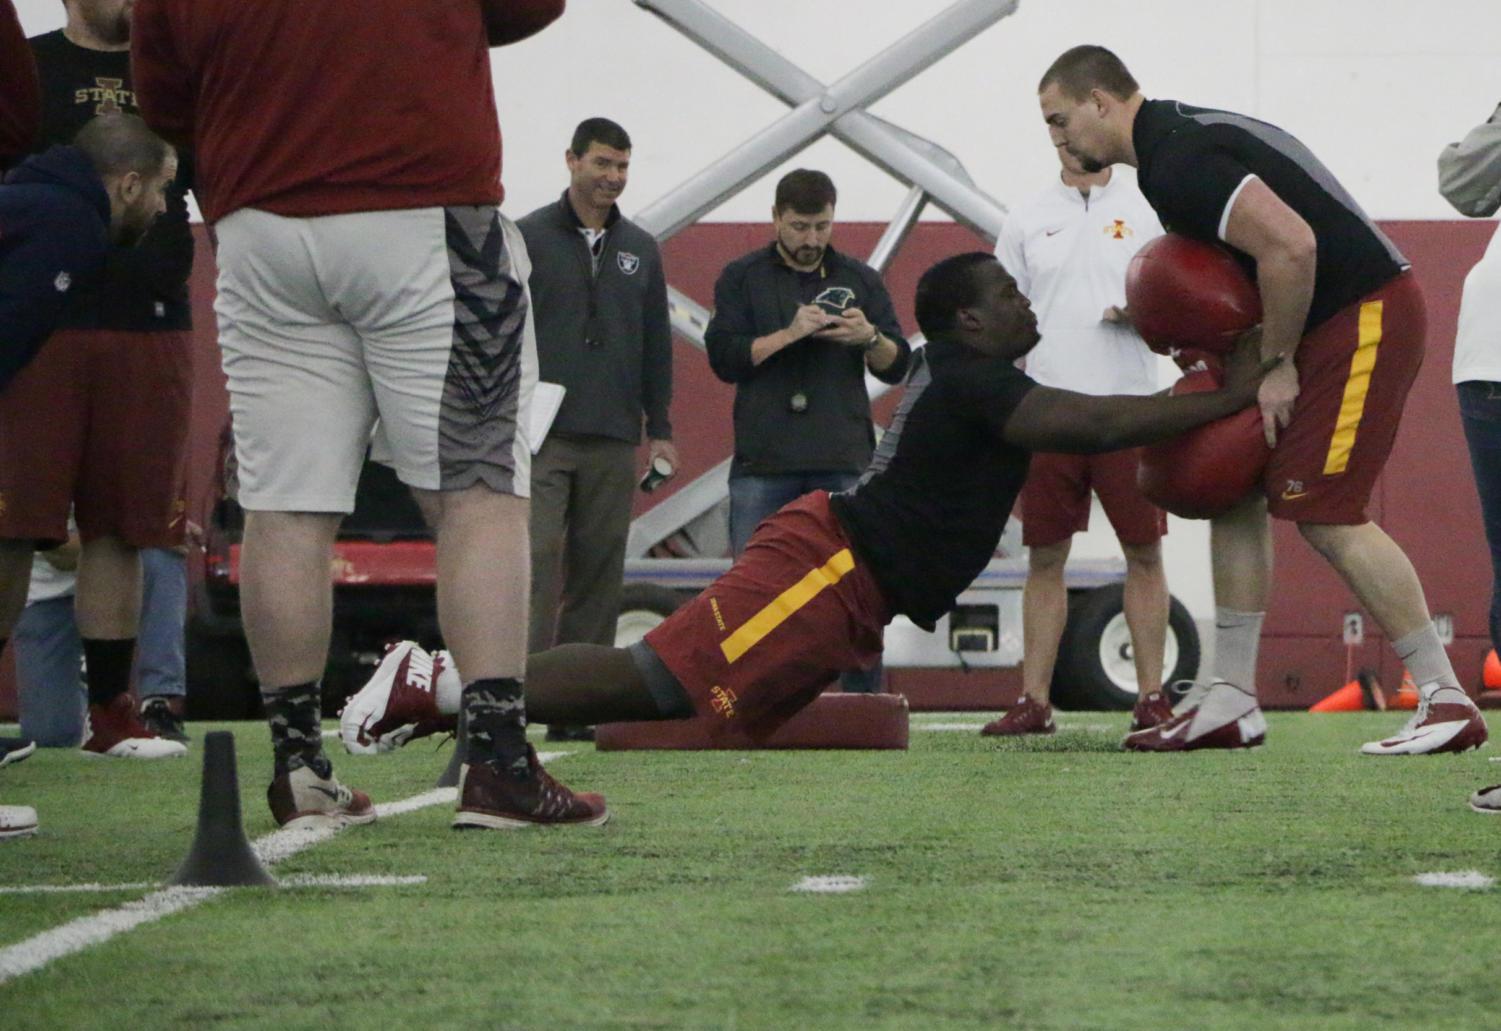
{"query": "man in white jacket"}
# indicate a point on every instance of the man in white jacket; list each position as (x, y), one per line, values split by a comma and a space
(1068, 248)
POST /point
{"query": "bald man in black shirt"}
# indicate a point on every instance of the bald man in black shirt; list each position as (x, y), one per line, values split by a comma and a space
(1337, 297)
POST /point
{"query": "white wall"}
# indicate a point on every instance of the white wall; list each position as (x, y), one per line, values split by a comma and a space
(1375, 87)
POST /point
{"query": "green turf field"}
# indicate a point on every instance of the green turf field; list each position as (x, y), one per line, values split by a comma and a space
(1055, 883)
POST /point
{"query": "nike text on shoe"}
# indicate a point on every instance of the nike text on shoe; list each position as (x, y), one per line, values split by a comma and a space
(17, 821)
(1222, 716)
(1150, 710)
(1025, 717)
(115, 730)
(302, 800)
(1446, 721)
(498, 799)
(397, 704)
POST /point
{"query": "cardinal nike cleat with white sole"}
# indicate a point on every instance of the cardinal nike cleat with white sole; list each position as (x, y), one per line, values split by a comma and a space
(1446, 721)
(1219, 716)
(398, 703)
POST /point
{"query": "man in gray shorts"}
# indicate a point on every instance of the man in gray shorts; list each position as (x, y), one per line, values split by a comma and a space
(366, 273)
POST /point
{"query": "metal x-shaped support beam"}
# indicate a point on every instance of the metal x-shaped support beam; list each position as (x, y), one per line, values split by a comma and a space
(835, 109)
(930, 172)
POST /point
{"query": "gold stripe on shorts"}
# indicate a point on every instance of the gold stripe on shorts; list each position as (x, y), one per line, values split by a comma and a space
(786, 604)
(1352, 408)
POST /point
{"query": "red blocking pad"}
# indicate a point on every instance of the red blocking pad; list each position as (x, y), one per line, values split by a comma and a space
(829, 721)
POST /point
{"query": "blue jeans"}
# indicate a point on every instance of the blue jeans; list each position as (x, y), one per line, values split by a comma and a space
(160, 663)
(49, 653)
(49, 674)
(1480, 412)
(753, 498)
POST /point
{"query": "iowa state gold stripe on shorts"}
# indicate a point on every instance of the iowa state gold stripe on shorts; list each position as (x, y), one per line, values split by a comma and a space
(1357, 385)
(786, 604)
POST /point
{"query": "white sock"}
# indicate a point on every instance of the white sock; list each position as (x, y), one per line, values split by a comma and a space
(1237, 639)
(1423, 654)
(448, 687)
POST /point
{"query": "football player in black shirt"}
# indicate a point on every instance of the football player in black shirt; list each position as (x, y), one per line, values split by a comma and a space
(1338, 298)
(819, 579)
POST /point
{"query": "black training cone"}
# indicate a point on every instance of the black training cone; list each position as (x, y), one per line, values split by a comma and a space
(449, 778)
(220, 856)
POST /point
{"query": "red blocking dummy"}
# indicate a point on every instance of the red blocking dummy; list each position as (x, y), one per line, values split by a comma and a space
(1203, 473)
(1185, 293)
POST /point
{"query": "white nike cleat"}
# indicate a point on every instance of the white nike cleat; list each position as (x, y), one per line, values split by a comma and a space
(397, 704)
(1220, 715)
(1446, 721)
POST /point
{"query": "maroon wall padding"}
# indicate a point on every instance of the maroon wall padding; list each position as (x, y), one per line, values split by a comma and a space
(830, 721)
(1426, 499)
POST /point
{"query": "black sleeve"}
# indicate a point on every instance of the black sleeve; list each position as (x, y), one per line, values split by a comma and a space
(36, 255)
(880, 313)
(992, 390)
(656, 353)
(1200, 180)
(731, 330)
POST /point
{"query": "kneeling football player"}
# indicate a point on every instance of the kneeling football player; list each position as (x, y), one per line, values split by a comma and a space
(821, 578)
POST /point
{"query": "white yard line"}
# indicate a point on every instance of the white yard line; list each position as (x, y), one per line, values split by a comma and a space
(97, 928)
(1474, 880)
(1093, 728)
(321, 880)
(295, 881)
(832, 884)
(68, 889)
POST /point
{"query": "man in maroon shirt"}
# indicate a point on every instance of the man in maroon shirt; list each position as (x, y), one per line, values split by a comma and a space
(20, 95)
(351, 167)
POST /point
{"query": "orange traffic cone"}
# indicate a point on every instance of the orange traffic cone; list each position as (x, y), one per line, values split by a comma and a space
(1349, 698)
(1364, 692)
(1491, 677)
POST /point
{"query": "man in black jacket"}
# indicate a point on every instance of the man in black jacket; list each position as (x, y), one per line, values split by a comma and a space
(796, 325)
(600, 300)
(58, 214)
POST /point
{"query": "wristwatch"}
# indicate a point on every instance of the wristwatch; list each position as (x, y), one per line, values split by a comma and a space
(873, 342)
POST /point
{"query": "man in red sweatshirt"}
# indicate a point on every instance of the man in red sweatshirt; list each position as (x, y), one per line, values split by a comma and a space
(20, 94)
(351, 168)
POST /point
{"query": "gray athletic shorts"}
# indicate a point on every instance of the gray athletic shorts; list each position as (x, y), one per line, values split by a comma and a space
(419, 318)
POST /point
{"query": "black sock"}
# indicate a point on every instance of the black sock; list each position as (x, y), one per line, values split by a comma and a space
(108, 668)
(496, 718)
(296, 732)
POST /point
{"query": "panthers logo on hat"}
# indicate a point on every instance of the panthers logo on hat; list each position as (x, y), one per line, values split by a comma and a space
(835, 298)
(628, 262)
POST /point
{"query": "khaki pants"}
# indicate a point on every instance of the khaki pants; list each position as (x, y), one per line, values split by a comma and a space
(581, 514)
